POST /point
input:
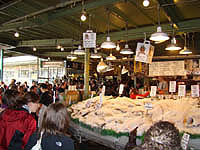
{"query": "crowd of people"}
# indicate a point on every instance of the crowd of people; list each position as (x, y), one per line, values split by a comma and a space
(34, 118)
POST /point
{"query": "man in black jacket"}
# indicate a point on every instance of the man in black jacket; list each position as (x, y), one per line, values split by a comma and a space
(45, 97)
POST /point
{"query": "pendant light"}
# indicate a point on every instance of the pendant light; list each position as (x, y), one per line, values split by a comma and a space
(126, 50)
(111, 57)
(159, 36)
(101, 66)
(95, 55)
(79, 51)
(124, 70)
(185, 51)
(108, 44)
(118, 47)
(72, 56)
(173, 46)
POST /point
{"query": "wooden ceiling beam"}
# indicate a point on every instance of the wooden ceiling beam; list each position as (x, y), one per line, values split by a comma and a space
(9, 4)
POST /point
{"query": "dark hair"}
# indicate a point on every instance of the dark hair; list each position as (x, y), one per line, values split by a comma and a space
(32, 97)
(44, 86)
(9, 97)
(163, 135)
(55, 120)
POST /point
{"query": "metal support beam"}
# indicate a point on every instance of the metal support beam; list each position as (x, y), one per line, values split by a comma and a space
(1, 66)
(86, 73)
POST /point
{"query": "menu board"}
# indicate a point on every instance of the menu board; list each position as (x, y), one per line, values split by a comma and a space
(167, 68)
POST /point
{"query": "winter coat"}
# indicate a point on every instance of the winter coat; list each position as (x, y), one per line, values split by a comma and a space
(16, 126)
(51, 142)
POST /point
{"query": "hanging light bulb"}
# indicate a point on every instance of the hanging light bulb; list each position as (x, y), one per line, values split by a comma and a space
(159, 36)
(62, 49)
(185, 51)
(108, 44)
(111, 57)
(146, 3)
(79, 51)
(173, 46)
(34, 49)
(118, 47)
(101, 66)
(16, 34)
(49, 58)
(58, 46)
(83, 15)
(126, 50)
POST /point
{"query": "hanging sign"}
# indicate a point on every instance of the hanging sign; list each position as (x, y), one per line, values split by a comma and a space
(172, 86)
(184, 141)
(195, 90)
(89, 39)
(144, 52)
(121, 89)
(153, 91)
(181, 90)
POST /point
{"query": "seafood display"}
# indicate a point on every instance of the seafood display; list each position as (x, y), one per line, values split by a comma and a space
(123, 114)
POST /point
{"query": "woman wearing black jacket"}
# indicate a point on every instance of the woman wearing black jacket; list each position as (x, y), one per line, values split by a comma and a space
(53, 130)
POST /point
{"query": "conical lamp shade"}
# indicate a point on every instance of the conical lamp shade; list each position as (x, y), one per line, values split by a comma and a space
(124, 70)
(126, 50)
(111, 57)
(108, 44)
(101, 66)
(79, 51)
(185, 51)
(72, 56)
(173, 46)
(159, 35)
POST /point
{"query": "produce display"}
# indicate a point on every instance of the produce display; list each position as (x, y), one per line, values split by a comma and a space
(123, 114)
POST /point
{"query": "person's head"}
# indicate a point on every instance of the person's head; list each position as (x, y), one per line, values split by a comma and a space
(55, 120)
(43, 87)
(33, 89)
(163, 135)
(9, 97)
(32, 100)
(13, 81)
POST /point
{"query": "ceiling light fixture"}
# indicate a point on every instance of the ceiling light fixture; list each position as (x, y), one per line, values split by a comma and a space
(58, 47)
(126, 50)
(34, 49)
(62, 49)
(118, 47)
(95, 55)
(124, 70)
(16, 34)
(108, 44)
(79, 51)
(146, 3)
(173, 46)
(72, 56)
(101, 66)
(185, 51)
(111, 57)
(159, 36)
(83, 16)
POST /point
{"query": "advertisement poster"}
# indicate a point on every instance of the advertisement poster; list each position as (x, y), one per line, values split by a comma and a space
(89, 39)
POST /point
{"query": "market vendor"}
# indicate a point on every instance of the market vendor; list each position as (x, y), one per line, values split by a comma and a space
(162, 86)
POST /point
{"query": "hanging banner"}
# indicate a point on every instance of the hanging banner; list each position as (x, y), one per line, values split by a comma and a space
(153, 91)
(89, 39)
(172, 86)
(195, 90)
(181, 90)
(144, 52)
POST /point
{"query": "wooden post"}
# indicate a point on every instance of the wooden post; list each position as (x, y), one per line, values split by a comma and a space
(86, 73)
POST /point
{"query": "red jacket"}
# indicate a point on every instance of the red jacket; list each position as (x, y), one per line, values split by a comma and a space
(134, 96)
(15, 128)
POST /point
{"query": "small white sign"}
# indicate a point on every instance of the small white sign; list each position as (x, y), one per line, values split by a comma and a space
(89, 39)
(184, 141)
(172, 86)
(181, 90)
(103, 90)
(148, 105)
(153, 90)
(195, 90)
(121, 89)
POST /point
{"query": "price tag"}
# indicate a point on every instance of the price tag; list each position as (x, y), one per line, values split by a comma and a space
(184, 141)
(172, 86)
(148, 105)
(195, 90)
(89, 39)
(103, 90)
(181, 90)
(121, 89)
(153, 90)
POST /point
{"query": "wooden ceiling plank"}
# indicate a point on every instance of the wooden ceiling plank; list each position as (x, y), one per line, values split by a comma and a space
(143, 12)
(9, 4)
